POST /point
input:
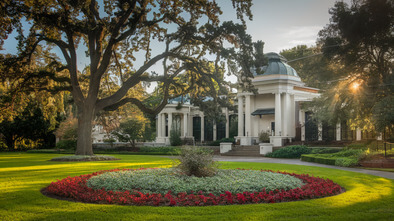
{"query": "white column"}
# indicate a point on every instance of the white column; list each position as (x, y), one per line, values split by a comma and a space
(358, 134)
(214, 131)
(159, 125)
(185, 124)
(320, 131)
(302, 123)
(338, 135)
(169, 123)
(227, 124)
(286, 115)
(202, 128)
(278, 113)
(248, 131)
(240, 116)
(163, 125)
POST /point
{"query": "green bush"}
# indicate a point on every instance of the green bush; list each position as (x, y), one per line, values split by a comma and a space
(317, 159)
(356, 153)
(325, 150)
(175, 138)
(223, 140)
(290, 152)
(357, 146)
(67, 144)
(264, 136)
(197, 161)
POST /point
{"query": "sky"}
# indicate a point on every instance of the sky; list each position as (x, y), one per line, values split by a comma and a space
(281, 24)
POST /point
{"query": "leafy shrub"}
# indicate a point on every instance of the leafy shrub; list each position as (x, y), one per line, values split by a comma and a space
(357, 146)
(317, 159)
(356, 153)
(324, 150)
(67, 144)
(223, 140)
(290, 152)
(175, 138)
(197, 161)
(264, 136)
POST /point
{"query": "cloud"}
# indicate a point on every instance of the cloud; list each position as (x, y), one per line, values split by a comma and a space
(297, 35)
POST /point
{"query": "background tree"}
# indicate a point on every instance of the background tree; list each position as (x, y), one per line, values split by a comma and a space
(129, 131)
(120, 32)
(360, 37)
(28, 127)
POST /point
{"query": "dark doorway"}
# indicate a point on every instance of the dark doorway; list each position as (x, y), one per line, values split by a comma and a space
(197, 128)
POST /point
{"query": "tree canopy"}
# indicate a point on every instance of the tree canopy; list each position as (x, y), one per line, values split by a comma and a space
(360, 37)
(119, 36)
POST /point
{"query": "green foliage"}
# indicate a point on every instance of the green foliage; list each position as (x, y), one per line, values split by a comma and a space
(223, 140)
(129, 131)
(197, 161)
(67, 144)
(290, 152)
(175, 137)
(324, 150)
(357, 146)
(382, 115)
(343, 158)
(264, 136)
(163, 180)
(359, 37)
(317, 158)
(29, 127)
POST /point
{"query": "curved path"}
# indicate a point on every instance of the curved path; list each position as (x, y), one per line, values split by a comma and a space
(389, 175)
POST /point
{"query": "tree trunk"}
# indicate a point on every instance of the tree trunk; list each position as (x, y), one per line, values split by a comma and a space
(85, 119)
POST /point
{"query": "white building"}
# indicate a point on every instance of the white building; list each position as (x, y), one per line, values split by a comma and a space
(275, 108)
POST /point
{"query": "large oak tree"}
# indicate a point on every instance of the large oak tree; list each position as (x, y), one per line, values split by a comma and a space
(119, 33)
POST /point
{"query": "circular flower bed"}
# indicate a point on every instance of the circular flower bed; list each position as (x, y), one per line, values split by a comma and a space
(97, 190)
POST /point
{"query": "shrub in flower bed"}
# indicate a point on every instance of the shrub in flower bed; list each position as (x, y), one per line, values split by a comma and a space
(84, 158)
(75, 188)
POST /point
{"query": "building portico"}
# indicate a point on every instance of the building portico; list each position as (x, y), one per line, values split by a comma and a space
(273, 108)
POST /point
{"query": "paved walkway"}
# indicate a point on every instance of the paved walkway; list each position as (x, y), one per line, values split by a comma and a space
(389, 175)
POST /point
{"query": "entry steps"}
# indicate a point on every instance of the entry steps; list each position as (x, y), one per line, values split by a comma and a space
(251, 151)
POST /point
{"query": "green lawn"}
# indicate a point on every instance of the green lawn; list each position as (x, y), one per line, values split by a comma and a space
(22, 176)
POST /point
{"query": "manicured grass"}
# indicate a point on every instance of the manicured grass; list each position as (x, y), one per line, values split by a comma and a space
(23, 175)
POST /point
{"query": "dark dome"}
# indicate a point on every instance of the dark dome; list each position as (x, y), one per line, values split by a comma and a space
(277, 64)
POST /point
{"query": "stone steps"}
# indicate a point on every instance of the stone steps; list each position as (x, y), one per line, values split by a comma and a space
(243, 151)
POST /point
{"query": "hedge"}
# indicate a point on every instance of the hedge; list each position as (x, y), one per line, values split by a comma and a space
(317, 159)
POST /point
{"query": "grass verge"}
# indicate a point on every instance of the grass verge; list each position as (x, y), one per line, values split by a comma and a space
(22, 175)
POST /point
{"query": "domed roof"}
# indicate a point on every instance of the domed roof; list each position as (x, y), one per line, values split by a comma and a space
(277, 64)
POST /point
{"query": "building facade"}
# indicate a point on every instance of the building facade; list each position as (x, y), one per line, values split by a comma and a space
(274, 109)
